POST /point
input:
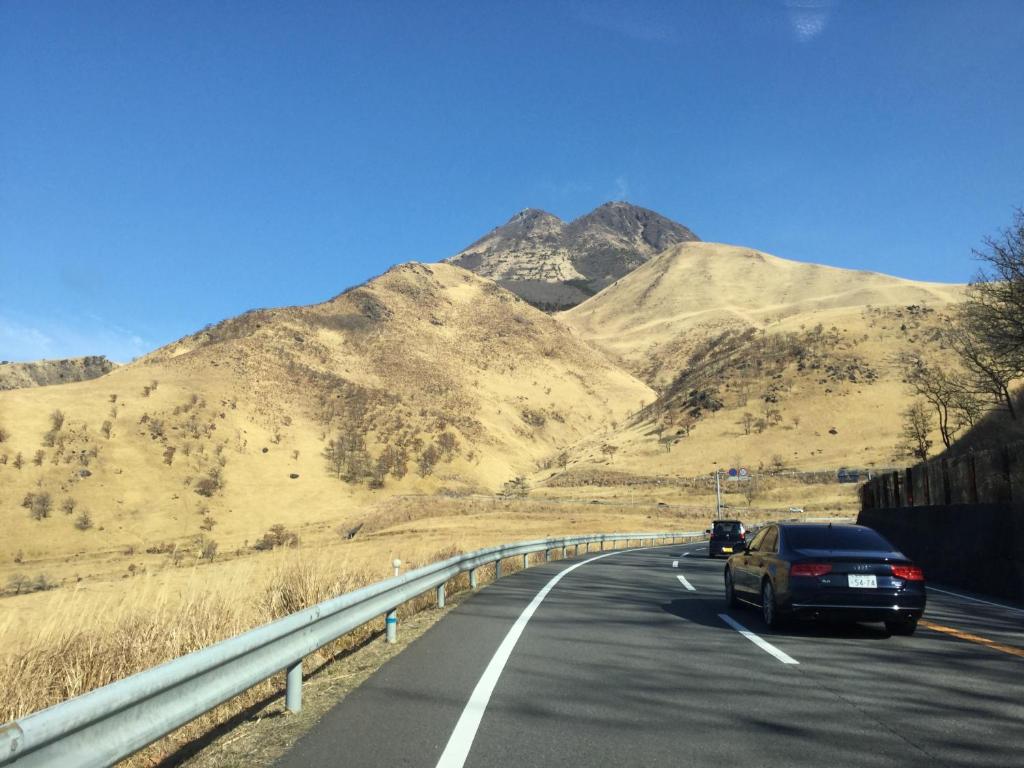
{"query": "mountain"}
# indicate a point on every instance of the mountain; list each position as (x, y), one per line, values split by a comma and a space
(556, 265)
(42, 373)
(426, 379)
(762, 360)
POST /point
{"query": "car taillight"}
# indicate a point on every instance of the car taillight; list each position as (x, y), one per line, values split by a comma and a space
(908, 572)
(809, 569)
(743, 535)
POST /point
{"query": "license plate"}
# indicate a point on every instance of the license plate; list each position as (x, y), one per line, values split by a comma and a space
(863, 581)
(727, 549)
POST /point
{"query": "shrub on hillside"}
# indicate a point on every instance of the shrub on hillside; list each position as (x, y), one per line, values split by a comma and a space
(277, 536)
(84, 521)
(38, 505)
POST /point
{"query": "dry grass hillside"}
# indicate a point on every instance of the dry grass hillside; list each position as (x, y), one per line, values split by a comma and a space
(759, 361)
(427, 379)
(42, 373)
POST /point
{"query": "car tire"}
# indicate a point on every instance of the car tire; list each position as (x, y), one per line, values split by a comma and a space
(730, 591)
(904, 628)
(769, 608)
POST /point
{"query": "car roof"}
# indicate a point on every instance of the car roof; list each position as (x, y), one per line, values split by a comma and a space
(728, 521)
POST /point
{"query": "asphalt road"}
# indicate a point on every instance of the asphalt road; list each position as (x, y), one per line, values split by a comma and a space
(622, 664)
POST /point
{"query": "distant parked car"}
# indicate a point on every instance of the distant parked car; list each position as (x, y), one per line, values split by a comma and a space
(796, 510)
(816, 570)
(726, 537)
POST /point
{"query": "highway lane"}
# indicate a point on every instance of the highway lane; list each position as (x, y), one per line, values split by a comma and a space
(621, 664)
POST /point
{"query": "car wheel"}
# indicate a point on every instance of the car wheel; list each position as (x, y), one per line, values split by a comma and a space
(769, 609)
(901, 627)
(730, 591)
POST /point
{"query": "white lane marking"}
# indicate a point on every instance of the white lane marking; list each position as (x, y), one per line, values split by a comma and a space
(685, 583)
(459, 743)
(760, 642)
(974, 599)
(675, 563)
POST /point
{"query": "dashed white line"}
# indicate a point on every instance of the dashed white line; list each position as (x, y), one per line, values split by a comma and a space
(675, 563)
(760, 642)
(685, 583)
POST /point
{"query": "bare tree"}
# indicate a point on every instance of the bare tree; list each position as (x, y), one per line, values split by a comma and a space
(747, 422)
(945, 390)
(917, 426)
(991, 372)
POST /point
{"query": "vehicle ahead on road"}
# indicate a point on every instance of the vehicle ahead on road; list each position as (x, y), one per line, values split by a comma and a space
(726, 537)
(816, 570)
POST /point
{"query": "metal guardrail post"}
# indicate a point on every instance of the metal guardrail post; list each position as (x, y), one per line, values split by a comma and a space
(526, 561)
(547, 555)
(440, 596)
(472, 578)
(497, 569)
(564, 552)
(576, 551)
(392, 624)
(293, 688)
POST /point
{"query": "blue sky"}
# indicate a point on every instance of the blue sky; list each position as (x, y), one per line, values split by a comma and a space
(164, 165)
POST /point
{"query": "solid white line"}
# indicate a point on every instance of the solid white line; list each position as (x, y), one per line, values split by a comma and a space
(975, 599)
(686, 584)
(761, 643)
(457, 749)
(675, 563)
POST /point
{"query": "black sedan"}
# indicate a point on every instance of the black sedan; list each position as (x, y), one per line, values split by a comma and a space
(816, 570)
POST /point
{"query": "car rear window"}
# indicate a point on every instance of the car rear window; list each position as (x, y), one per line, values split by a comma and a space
(726, 529)
(835, 537)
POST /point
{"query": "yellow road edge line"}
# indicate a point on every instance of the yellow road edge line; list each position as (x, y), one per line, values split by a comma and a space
(1010, 649)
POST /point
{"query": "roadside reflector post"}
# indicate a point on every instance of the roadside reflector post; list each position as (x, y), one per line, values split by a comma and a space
(472, 578)
(547, 555)
(397, 565)
(392, 623)
(576, 552)
(564, 552)
(293, 687)
(602, 545)
(526, 562)
(497, 569)
(440, 596)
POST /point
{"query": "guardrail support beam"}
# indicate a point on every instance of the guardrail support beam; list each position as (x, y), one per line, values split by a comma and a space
(547, 555)
(564, 552)
(440, 596)
(391, 620)
(293, 688)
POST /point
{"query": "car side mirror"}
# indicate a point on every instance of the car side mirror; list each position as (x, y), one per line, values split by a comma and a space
(707, 530)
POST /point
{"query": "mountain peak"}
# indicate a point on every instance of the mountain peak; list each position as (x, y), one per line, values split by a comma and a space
(554, 265)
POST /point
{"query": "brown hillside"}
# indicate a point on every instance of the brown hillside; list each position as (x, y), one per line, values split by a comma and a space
(41, 373)
(809, 352)
(425, 378)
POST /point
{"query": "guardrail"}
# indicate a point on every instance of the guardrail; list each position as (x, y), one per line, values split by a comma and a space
(110, 723)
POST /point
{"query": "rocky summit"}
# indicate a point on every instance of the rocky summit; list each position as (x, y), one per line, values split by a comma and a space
(556, 265)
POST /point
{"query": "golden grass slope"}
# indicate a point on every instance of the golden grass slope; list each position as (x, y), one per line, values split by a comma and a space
(694, 289)
(239, 408)
(810, 352)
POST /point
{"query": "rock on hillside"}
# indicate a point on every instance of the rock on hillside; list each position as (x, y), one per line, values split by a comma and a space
(556, 265)
(42, 373)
